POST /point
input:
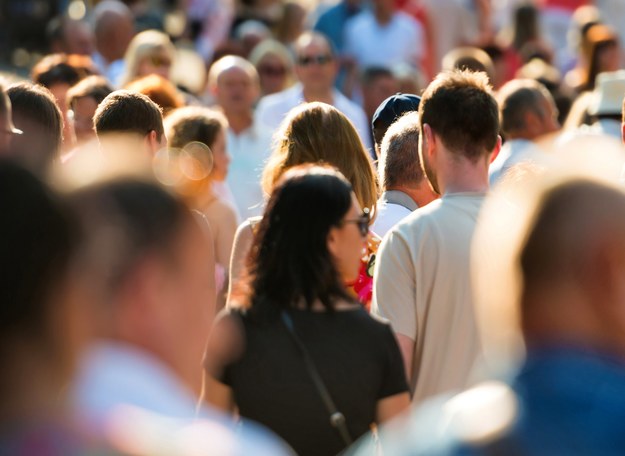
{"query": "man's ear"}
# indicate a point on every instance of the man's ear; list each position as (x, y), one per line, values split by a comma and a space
(429, 139)
(496, 150)
(623, 132)
(152, 142)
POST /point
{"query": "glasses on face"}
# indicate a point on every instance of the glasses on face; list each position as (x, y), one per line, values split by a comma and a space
(160, 61)
(307, 60)
(361, 222)
(269, 70)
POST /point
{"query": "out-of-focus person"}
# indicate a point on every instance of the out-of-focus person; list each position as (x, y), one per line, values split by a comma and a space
(377, 83)
(82, 101)
(402, 180)
(44, 322)
(37, 115)
(113, 28)
(527, 112)
(149, 52)
(159, 90)
(316, 68)
(299, 141)
(199, 134)
(274, 64)
(296, 305)
(234, 83)
(469, 58)
(69, 36)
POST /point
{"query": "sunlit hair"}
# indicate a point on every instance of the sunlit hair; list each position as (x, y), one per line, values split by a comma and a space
(96, 87)
(289, 262)
(159, 90)
(193, 123)
(150, 43)
(62, 69)
(226, 63)
(316, 133)
(459, 106)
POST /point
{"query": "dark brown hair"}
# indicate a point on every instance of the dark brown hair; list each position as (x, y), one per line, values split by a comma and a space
(459, 106)
(128, 112)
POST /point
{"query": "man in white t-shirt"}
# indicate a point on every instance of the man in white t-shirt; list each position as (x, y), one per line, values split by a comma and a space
(422, 273)
(233, 81)
(382, 36)
(316, 68)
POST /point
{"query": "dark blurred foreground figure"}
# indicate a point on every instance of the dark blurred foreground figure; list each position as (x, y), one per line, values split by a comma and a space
(42, 327)
(308, 245)
(567, 306)
(149, 267)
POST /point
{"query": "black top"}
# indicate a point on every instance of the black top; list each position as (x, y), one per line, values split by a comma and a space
(356, 355)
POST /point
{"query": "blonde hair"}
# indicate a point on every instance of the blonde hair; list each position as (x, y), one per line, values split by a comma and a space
(145, 44)
(319, 133)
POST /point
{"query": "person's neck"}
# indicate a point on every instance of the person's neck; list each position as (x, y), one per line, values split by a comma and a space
(421, 194)
(458, 174)
(324, 96)
(239, 121)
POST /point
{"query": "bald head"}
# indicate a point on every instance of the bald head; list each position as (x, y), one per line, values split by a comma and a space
(572, 266)
(113, 28)
(234, 83)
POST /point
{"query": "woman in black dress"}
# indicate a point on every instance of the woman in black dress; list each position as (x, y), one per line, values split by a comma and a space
(295, 313)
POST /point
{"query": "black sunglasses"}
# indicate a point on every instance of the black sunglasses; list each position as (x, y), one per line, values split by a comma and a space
(321, 59)
(362, 222)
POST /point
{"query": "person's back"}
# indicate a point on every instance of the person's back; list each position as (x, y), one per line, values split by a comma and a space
(422, 274)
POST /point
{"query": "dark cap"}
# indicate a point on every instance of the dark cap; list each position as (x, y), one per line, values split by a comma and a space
(391, 109)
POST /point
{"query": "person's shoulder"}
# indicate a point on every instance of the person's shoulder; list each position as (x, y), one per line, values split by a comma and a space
(359, 20)
(404, 20)
(279, 97)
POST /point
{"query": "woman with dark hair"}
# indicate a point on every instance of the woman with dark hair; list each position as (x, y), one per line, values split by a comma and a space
(296, 352)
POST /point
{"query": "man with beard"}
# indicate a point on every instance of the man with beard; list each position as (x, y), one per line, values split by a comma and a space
(422, 281)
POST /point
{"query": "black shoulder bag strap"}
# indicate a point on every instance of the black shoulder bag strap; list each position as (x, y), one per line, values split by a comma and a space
(337, 419)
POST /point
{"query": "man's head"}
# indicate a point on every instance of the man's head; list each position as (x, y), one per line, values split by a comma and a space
(35, 113)
(378, 84)
(130, 113)
(458, 115)
(69, 36)
(113, 28)
(234, 83)
(527, 110)
(388, 112)
(571, 264)
(315, 62)
(399, 166)
(82, 101)
(7, 129)
(149, 264)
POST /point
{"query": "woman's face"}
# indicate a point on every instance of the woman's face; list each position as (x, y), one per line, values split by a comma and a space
(272, 73)
(346, 242)
(159, 64)
(221, 158)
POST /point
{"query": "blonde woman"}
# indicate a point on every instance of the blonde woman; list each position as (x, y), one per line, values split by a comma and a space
(189, 130)
(149, 52)
(317, 133)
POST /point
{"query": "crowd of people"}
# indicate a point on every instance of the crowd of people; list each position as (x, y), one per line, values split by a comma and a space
(272, 227)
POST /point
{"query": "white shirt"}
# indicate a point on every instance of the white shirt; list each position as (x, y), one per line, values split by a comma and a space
(512, 152)
(372, 44)
(391, 208)
(249, 150)
(272, 109)
(117, 381)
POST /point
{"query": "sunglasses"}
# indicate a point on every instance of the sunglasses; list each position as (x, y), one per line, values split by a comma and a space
(321, 59)
(159, 61)
(361, 222)
(272, 70)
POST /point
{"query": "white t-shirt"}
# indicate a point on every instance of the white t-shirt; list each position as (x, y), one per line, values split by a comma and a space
(422, 286)
(249, 150)
(392, 207)
(372, 44)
